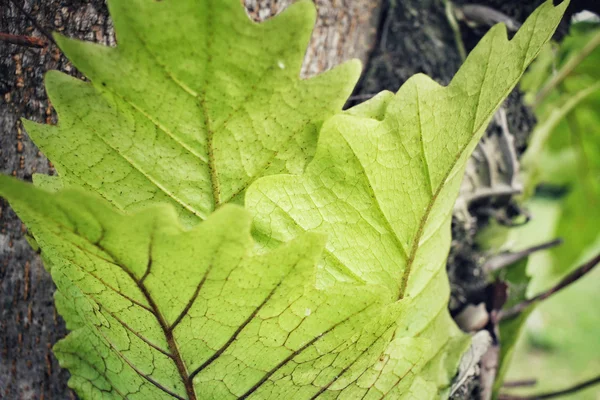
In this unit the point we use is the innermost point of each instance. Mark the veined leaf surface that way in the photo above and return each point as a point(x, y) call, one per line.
point(194, 104)
point(160, 313)
point(386, 174)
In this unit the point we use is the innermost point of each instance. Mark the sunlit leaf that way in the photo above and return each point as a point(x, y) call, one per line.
point(194, 103)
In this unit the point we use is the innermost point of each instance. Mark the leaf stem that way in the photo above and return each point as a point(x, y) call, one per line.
point(567, 69)
point(543, 131)
point(456, 29)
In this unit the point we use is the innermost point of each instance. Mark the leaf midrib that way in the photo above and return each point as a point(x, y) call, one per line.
point(168, 330)
point(173, 348)
point(475, 128)
point(210, 130)
point(153, 309)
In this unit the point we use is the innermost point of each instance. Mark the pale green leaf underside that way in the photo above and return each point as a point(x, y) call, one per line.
point(384, 180)
point(195, 103)
point(157, 316)
point(159, 312)
point(386, 175)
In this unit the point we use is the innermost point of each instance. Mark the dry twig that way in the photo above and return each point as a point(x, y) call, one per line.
point(551, 395)
point(28, 41)
point(569, 279)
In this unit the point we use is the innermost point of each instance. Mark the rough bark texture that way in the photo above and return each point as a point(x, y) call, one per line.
point(29, 324)
point(345, 29)
point(28, 320)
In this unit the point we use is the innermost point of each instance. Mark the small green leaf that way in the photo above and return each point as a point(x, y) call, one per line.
point(510, 330)
point(194, 104)
point(565, 147)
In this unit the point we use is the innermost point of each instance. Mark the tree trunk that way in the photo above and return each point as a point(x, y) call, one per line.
point(394, 38)
point(28, 320)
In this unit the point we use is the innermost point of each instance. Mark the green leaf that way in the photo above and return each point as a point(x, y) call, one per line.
point(565, 146)
point(223, 323)
point(560, 345)
point(194, 104)
point(510, 330)
point(162, 312)
point(385, 177)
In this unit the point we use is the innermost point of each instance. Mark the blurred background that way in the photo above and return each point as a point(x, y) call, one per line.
point(559, 344)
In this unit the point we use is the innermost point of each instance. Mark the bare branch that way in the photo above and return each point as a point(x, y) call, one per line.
point(28, 41)
point(505, 259)
point(33, 21)
point(572, 277)
point(521, 383)
point(551, 395)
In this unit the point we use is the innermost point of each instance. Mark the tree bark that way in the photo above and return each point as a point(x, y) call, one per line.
point(28, 320)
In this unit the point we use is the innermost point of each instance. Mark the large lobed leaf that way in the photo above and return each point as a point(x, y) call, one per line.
point(156, 316)
point(386, 174)
point(194, 104)
point(159, 312)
